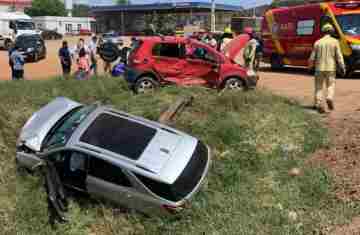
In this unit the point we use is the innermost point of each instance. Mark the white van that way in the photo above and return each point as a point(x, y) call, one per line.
point(13, 24)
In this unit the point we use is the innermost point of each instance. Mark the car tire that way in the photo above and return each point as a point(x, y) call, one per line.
point(145, 85)
point(234, 84)
point(276, 62)
point(7, 44)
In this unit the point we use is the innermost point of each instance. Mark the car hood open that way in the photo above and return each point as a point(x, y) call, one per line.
point(234, 48)
point(37, 127)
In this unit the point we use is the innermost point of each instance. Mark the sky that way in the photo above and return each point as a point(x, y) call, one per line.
point(244, 3)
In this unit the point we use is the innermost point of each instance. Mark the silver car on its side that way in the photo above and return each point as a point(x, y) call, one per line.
point(129, 160)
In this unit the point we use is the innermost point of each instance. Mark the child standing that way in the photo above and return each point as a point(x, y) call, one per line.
point(18, 62)
point(83, 65)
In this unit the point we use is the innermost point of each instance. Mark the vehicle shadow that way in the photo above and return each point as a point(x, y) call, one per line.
point(304, 72)
point(286, 70)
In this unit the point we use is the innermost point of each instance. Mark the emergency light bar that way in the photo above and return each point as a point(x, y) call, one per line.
point(348, 5)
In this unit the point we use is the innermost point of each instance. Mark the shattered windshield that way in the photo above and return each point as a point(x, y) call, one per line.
point(350, 24)
point(63, 131)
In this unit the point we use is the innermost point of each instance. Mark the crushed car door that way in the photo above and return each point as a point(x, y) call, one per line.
point(168, 61)
point(202, 66)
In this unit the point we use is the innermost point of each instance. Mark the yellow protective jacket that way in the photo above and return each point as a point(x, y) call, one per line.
point(327, 55)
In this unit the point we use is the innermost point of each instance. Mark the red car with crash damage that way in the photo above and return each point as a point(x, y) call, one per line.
point(159, 61)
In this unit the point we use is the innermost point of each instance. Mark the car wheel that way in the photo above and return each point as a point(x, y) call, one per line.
point(7, 44)
point(145, 85)
point(234, 84)
point(276, 62)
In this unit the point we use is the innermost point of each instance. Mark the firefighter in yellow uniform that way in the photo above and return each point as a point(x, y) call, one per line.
point(326, 57)
point(249, 54)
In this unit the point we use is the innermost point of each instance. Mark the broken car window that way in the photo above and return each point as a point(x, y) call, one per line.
point(63, 130)
point(202, 54)
point(77, 162)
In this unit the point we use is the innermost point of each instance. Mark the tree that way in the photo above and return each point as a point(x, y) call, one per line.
point(160, 24)
point(81, 10)
point(284, 3)
point(46, 8)
point(123, 2)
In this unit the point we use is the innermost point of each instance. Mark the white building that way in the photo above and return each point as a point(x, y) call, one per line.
point(11, 5)
point(65, 25)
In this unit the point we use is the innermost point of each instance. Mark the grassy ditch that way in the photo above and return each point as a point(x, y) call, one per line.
point(256, 138)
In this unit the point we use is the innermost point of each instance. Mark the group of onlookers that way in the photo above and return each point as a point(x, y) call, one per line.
point(86, 58)
point(84, 55)
point(252, 52)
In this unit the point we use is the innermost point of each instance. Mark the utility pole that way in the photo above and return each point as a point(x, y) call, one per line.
point(213, 16)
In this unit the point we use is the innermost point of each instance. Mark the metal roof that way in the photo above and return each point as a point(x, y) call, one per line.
point(165, 6)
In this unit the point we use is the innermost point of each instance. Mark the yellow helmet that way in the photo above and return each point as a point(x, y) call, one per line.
point(327, 28)
point(227, 30)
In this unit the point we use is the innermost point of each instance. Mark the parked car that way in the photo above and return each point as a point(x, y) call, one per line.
point(51, 35)
point(157, 61)
point(113, 37)
point(85, 32)
point(33, 47)
point(110, 154)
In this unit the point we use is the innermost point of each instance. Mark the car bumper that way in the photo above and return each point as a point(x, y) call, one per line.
point(30, 57)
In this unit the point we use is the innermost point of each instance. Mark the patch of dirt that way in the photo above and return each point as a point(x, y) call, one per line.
point(351, 229)
point(343, 156)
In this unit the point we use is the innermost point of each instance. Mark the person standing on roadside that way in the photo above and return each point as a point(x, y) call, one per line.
point(93, 54)
point(326, 57)
point(80, 45)
point(65, 59)
point(83, 66)
point(10, 51)
point(226, 38)
point(18, 62)
point(250, 50)
point(106, 64)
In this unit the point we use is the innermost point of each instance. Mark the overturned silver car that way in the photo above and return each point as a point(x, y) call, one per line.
point(129, 160)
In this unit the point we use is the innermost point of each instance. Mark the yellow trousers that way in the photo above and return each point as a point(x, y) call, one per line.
point(321, 79)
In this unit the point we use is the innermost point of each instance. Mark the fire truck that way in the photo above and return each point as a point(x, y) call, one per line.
point(289, 33)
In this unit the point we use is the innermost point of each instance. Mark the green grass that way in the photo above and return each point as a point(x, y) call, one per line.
point(255, 138)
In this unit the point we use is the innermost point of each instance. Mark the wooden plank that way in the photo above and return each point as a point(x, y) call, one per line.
point(175, 110)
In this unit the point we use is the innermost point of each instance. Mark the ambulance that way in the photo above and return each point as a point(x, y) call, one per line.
point(289, 33)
